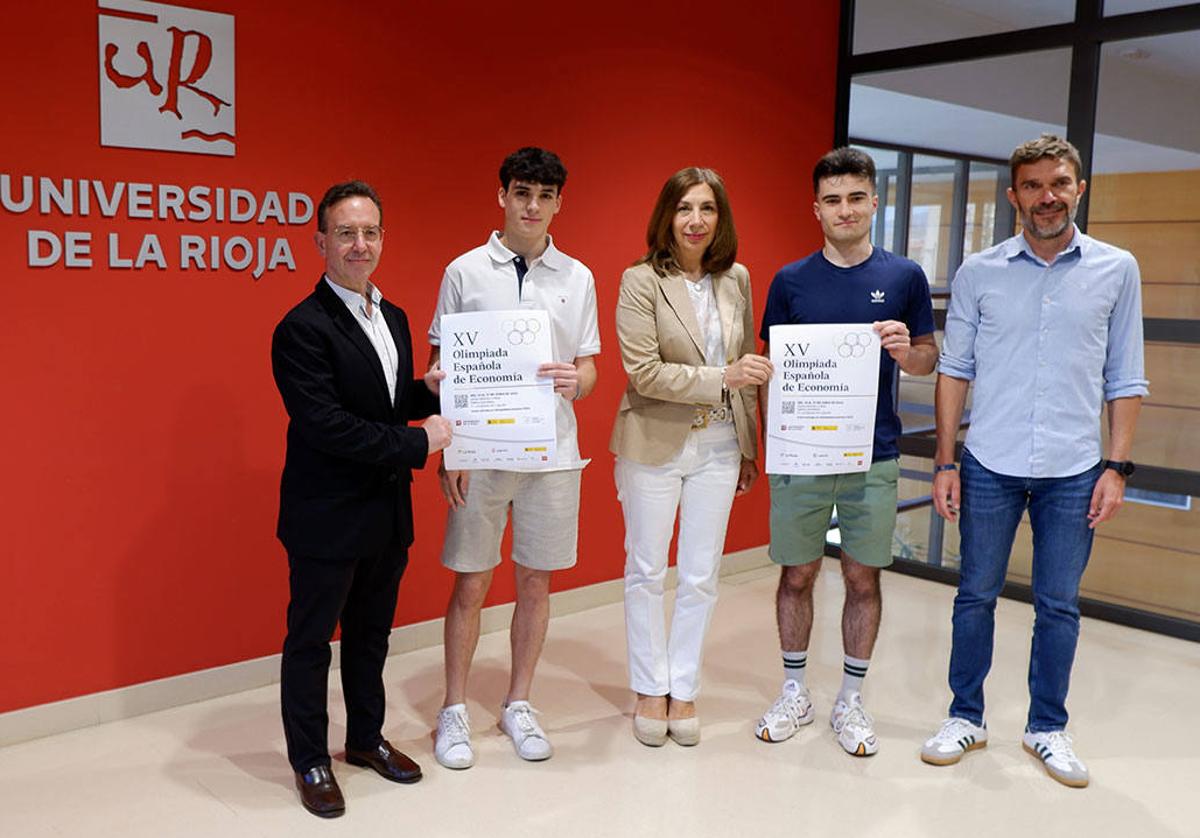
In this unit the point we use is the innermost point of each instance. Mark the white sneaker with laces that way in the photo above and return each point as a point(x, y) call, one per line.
point(954, 738)
point(854, 726)
point(791, 711)
point(453, 746)
point(1054, 749)
point(517, 720)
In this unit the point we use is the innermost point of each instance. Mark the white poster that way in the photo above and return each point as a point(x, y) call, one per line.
point(821, 401)
point(502, 412)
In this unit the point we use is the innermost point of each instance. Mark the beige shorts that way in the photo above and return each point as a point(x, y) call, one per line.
point(545, 513)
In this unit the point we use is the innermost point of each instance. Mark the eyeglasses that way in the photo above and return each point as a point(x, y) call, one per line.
point(349, 235)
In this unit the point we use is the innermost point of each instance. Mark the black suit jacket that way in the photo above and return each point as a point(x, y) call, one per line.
point(345, 491)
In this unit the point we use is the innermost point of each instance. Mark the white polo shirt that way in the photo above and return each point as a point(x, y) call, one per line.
point(485, 279)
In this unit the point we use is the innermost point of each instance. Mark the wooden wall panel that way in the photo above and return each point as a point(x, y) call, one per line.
point(1143, 576)
point(1145, 196)
point(1166, 252)
point(1155, 215)
point(1177, 529)
point(1166, 436)
point(1171, 300)
point(1174, 373)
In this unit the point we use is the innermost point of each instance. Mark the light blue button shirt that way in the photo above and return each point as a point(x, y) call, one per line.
point(1046, 345)
point(375, 328)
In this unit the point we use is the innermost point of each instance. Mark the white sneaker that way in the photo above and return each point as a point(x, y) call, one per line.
point(1054, 749)
point(453, 746)
point(790, 712)
point(954, 738)
point(516, 719)
point(854, 726)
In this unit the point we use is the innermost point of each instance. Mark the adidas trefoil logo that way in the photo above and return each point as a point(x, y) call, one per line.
point(877, 296)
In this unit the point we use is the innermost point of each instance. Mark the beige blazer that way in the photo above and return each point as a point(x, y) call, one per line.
point(662, 349)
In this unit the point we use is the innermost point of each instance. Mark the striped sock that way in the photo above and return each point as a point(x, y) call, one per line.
point(795, 664)
point(854, 670)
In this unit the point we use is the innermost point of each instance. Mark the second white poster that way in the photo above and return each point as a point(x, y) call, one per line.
point(821, 402)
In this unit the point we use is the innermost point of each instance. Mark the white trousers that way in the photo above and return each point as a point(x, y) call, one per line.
point(700, 482)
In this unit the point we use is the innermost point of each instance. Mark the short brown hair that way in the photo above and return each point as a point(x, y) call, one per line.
point(1047, 145)
point(340, 192)
point(843, 161)
point(660, 239)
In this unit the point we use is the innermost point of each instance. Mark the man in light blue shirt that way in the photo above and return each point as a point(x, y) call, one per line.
point(1048, 324)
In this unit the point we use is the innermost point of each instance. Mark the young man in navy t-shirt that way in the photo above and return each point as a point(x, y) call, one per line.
point(846, 281)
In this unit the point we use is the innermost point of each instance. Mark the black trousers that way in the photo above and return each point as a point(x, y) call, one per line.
point(360, 594)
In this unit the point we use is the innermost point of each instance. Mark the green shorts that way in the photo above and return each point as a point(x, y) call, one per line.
point(802, 507)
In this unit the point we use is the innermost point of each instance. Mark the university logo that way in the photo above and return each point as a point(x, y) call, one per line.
point(166, 78)
point(877, 296)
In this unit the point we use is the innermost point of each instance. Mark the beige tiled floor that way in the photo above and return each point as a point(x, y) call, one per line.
point(216, 768)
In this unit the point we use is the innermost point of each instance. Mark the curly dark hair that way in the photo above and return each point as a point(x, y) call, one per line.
point(533, 165)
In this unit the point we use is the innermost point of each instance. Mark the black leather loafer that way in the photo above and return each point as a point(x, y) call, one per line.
point(319, 792)
point(387, 762)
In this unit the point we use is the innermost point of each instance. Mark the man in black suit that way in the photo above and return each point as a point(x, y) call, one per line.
point(342, 361)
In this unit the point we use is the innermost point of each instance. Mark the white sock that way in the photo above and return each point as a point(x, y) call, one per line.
point(795, 664)
point(854, 670)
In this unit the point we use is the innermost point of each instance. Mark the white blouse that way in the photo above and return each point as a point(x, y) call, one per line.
point(704, 303)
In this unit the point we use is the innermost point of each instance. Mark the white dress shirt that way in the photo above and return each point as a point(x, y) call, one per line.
point(375, 327)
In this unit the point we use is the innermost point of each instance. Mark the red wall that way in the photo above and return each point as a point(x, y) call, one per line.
point(143, 437)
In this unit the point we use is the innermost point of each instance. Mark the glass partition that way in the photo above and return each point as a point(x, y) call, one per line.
point(946, 119)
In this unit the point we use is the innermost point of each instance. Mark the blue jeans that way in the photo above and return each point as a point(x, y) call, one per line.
point(992, 505)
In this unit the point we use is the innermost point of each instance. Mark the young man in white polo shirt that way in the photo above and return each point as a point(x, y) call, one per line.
point(519, 268)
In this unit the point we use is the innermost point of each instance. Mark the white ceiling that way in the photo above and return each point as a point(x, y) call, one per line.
point(888, 24)
point(1147, 113)
point(887, 116)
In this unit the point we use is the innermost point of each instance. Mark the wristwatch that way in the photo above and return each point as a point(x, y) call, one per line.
point(1121, 467)
point(945, 467)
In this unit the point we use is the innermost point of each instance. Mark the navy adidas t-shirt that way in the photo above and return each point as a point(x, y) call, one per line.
point(884, 287)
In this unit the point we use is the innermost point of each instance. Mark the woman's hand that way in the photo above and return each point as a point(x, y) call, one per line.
point(748, 369)
point(746, 477)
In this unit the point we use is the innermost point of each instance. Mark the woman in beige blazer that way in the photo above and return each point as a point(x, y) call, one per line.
point(685, 437)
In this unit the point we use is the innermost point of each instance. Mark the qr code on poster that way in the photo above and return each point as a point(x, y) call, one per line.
point(788, 408)
point(460, 401)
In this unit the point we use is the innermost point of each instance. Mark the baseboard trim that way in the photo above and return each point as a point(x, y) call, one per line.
point(151, 696)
